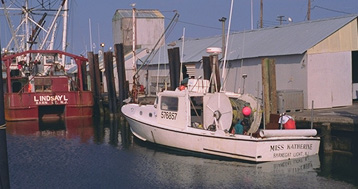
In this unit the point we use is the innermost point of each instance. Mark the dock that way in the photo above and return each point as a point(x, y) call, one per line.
point(336, 126)
point(341, 118)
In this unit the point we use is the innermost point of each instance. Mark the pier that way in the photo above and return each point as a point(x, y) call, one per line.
point(337, 127)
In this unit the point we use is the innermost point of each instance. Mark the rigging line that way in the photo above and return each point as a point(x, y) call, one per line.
point(15, 4)
point(199, 25)
point(332, 10)
point(42, 4)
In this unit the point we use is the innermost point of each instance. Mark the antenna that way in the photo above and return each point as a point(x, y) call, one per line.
point(280, 18)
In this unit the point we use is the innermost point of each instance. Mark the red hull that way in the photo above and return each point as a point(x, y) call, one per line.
point(51, 93)
point(32, 106)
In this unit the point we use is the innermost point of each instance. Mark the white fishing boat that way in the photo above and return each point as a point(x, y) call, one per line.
point(190, 118)
point(195, 120)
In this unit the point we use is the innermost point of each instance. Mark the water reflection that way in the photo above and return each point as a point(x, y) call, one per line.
point(104, 154)
point(70, 128)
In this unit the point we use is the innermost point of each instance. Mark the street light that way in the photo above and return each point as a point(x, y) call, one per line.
point(102, 46)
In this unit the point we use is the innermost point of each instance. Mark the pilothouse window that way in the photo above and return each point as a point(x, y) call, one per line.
point(169, 103)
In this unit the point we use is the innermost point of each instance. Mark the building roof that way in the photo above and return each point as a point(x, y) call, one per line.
point(289, 39)
point(140, 13)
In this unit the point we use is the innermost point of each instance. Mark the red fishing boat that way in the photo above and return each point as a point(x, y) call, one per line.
point(37, 86)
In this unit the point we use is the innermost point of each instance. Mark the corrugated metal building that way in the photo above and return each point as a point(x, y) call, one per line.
point(319, 58)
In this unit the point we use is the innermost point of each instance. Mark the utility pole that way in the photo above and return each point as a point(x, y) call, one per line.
point(222, 20)
point(309, 10)
point(4, 165)
point(261, 13)
point(252, 15)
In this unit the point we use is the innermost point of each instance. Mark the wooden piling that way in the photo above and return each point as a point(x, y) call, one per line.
point(174, 67)
point(112, 99)
point(91, 63)
point(98, 81)
point(90, 58)
point(4, 165)
point(327, 140)
point(84, 76)
point(273, 90)
point(269, 87)
point(123, 93)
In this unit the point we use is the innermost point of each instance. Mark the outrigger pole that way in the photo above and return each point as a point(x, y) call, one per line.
point(226, 45)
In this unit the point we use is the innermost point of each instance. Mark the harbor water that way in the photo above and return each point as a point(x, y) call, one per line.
point(89, 153)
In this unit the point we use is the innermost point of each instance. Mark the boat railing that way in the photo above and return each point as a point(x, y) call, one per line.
point(28, 87)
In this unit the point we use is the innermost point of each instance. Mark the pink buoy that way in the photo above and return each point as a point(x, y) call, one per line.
point(246, 111)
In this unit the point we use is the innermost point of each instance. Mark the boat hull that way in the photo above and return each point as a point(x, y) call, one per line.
point(35, 106)
point(218, 143)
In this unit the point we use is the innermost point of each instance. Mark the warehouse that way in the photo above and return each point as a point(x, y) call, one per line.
point(316, 58)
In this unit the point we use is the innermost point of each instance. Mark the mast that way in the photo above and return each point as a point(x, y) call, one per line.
point(261, 13)
point(134, 57)
point(134, 38)
point(52, 41)
point(182, 57)
point(52, 25)
point(64, 35)
point(27, 29)
point(32, 23)
point(252, 15)
point(309, 10)
point(225, 54)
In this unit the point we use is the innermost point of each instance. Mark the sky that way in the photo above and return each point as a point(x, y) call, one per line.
point(200, 18)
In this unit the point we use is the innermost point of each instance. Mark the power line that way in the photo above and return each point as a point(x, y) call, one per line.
point(199, 25)
point(332, 10)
